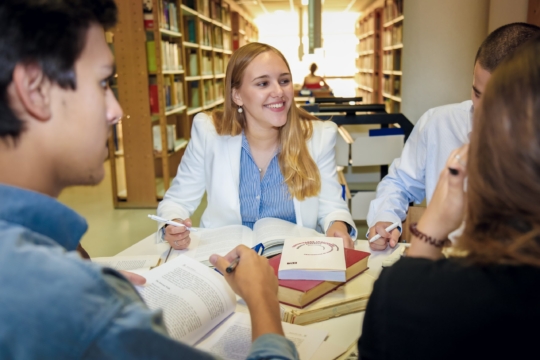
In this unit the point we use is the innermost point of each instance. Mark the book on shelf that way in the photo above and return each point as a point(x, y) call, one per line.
point(153, 95)
point(349, 298)
point(300, 293)
point(313, 259)
point(199, 310)
point(151, 55)
point(271, 232)
point(179, 90)
point(194, 94)
point(171, 137)
point(191, 30)
point(193, 64)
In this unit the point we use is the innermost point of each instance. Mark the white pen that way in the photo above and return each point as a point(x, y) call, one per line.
point(390, 228)
point(169, 222)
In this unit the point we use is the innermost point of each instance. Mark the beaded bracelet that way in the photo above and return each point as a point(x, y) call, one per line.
point(426, 238)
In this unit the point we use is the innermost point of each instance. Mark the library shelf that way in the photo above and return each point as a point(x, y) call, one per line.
point(179, 144)
point(393, 47)
point(176, 110)
point(394, 21)
point(392, 72)
point(186, 10)
point(368, 52)
point(366, 35)
point(193, 111)
point(395, 98)
point(205, 18)
point(179, 41)
point(365, 88)
point(175, 34)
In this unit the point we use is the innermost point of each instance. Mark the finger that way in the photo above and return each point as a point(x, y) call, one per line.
point(220, 263)
point(381, 230)
point(395, 238)
point(187, 222)
point(377, 246)
point(133, 278)
point(372, 232)
point(174, 230)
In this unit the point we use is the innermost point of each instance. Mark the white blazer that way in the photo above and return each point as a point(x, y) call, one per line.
point(211, 163)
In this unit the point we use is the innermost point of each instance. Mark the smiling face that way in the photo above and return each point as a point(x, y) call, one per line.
point(266, 92)
point(83, 117)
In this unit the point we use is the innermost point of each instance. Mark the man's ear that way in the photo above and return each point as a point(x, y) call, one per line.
point(32, 91)
point(236, 97)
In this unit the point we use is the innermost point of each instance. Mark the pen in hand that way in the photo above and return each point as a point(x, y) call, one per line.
point(169, 222)
point(388, 229)
point(259, 249)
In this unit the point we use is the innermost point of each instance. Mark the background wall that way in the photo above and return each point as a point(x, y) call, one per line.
point(503, 12)
point(440, 40)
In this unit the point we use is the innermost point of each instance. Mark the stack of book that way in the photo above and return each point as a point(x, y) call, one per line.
point(309, 301)
point(168, 16)
point(170, 55)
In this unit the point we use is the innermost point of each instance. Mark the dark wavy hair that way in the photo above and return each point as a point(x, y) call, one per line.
point(50, 33)
point(503, 214)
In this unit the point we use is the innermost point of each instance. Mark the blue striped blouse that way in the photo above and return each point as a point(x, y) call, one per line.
point(266, 197)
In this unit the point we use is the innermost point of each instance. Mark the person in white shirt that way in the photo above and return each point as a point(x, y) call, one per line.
point(414, 175)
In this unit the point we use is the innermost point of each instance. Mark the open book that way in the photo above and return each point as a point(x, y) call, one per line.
point(196, 299)
point(271, 232)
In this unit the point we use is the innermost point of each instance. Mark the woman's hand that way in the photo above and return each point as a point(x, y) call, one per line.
point(446, 209)
point(339, 229)
point(178, 236)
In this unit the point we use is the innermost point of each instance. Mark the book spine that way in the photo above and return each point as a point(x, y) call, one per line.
point(154, 98)
point(151, 56)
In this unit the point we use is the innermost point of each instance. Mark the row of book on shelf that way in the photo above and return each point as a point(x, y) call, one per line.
point(392, 87)
point(167, 16)
point(393, 36)
point(173, 93)
point(392, 60)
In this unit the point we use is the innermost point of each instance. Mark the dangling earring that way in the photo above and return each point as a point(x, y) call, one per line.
point(240, 110)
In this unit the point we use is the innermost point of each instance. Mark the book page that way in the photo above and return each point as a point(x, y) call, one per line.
point(206, 242)
point(232, 340)
point(194, 298)
point(128, 262)
point(272, 231)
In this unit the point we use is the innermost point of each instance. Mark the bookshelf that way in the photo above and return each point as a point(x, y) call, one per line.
point(368, 57)
point(379, 55)
point(171, 58)
point(392, 44)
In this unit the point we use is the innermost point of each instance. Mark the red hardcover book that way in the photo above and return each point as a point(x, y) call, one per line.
point(154, 102)
point(300, 293)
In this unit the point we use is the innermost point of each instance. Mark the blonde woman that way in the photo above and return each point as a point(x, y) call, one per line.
point(259, 157)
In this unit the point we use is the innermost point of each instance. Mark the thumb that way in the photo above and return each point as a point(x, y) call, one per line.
point(219, 262)
point(133, 278)
point(187, 222)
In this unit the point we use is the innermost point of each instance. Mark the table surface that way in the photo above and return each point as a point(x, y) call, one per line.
point(343, 331)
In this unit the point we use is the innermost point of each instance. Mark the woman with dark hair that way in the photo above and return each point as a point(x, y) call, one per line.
point(261, 156)
point(314, 82)
point(486, 303)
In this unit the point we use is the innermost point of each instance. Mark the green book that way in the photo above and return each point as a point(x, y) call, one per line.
point(151, 55)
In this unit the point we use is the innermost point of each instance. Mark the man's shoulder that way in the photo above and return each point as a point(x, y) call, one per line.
point(458, 112)
point(53, 292)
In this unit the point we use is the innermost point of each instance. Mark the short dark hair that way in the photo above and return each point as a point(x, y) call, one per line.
point(49, 33)
point(313, 68)
point(503, 41)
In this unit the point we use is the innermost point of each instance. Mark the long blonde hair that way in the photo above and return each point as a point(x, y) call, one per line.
point(299, 170)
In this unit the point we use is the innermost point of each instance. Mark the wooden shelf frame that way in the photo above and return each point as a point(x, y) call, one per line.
point(148, 174)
